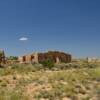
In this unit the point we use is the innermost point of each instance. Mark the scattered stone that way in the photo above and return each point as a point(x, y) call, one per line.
point(66, 98)
point(44, 99)
point(80, 89)
point(98, 79)
point(63, 82)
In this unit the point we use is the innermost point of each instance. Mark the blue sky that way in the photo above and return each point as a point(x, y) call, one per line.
point(39, 25)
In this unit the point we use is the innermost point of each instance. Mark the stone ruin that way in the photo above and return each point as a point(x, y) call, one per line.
point(55, 56)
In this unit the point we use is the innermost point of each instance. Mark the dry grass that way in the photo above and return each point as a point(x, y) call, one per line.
point(26, 82)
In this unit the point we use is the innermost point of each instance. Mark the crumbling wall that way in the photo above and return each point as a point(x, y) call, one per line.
point(55, 56)
point(22, 59)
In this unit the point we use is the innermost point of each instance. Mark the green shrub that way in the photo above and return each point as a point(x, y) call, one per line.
point(16, 95)
point(48, 64)
point(12, 58)
point(4, 84)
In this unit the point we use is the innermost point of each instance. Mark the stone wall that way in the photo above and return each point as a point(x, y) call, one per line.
point(55, 56)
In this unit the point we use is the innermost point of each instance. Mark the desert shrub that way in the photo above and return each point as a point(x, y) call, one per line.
point(46, 95)
point(12, 58)
point(6, 71)
point(14, 77)
point(48, 63)
point(25, 68)
point(1, 66)
point(94, 73)
point(16, 95)
point(22, 68)
point(37, 67)
point(14, 66)
point(63, 66)
point(59, 66)
point(56, 93)
point(3, 84)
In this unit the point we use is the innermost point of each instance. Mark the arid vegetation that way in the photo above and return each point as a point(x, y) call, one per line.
point(74, 81)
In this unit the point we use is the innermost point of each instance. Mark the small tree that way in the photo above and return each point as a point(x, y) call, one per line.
point(48, 63)
point(12, 58)
point(0, 58)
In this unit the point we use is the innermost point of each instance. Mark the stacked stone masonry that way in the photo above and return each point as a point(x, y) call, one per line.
point(55, 56)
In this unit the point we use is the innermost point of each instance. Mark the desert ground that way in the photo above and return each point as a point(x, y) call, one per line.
point(73, 81)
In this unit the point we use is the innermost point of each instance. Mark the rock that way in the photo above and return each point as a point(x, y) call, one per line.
point(44, 99)
point(66, 98)
point(98, 79)
point(76, 97)
point(80, 89)
point(63, 82)
point(76, 90)
point(95, 98)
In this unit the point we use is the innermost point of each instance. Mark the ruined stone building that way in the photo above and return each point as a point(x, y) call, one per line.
point(2, 56)
point(55, 56)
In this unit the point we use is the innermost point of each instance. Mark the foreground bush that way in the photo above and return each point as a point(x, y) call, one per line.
point(48, 64)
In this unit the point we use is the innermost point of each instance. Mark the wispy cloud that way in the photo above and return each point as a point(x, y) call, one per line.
point(23, 39)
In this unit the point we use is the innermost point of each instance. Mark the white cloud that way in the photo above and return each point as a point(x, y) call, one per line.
point(23, 39)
